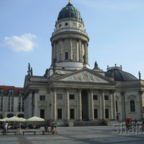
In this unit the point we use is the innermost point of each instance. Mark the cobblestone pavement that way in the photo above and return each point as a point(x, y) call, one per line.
point(76, 135)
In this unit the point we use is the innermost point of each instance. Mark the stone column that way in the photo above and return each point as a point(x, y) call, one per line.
point(114, 106)
point(91, 105)
point(70, 57)
point(86, 51)
point(54, 50)
point(111, 102)
point(67, 104)
point(61, 50)
point(79, 105)
point(52, 55)
point(141, 103)
point(54, 104)
point(100, 106)
point(103, 104)
point(123, 105)
point(80, 51)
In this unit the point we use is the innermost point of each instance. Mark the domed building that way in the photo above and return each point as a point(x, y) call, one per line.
point(69, 93)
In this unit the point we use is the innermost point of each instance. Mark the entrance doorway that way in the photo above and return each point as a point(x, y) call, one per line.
point(84, 97)
point(42, 113)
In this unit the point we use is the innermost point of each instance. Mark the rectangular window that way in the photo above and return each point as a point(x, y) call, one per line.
point(1, 108)
point(71, 96)
point(66, 55)
point(106, 113)
point(95, 113)
point(95, 97)
point(106, 97)
point(71, 113)
point(59, 96)
point(42, 98)
point(1, 90)
point(42, 113)
point(59, 113)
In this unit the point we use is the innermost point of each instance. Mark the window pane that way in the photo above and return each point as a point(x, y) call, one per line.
point(71, 96)
point(95, 113)
point(106, 113)
point(59, 96)
point(42, 113)
point(66, 55)
point(42, 98)
point(59, 113)
point(71, 113)
point(132, 106)
point(95, 97)
point(106, 97)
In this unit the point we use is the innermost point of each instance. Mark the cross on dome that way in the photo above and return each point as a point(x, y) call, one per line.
point(69, 1)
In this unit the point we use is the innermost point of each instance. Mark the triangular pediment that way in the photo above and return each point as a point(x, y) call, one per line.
point(85, 76)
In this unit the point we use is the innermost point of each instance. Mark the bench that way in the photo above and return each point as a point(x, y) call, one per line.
point(43, 132)
point(8, 132)
point(29, 132)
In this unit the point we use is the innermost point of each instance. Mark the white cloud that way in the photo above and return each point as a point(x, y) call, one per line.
point(112, 4)
point(22, 43)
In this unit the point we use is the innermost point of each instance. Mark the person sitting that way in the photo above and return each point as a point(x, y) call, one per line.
point(53, 130)
point(46, 129)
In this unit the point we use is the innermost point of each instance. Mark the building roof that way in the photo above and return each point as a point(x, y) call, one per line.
point(119, 75)
point(69, 11)
point(6, 89)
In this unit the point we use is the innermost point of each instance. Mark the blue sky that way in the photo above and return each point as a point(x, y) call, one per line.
point(115, 28)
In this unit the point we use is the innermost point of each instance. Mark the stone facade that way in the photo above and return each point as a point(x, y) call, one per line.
point(69, 91)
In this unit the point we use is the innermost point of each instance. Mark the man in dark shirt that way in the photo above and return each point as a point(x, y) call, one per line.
point(46, 129)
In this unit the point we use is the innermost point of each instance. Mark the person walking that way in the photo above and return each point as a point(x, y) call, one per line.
point(5, 127)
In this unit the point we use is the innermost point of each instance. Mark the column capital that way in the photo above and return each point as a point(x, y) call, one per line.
point(53, 89)
point(112, 91)
point(78, 39)
point(67, 89)
point(79, 89)
point(101, 90)
point(62, 39)
point(91, 90)
point(122, 93)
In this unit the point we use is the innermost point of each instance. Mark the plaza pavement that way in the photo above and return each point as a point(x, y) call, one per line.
point(76, 135)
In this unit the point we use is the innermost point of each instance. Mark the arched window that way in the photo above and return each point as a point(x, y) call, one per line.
point(132, 106)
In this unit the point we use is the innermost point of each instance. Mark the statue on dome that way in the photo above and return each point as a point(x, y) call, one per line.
point(28, 66)
point(31, 71)
point(95, 65)
point(139, 75)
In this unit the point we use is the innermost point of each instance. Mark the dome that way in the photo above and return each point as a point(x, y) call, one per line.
point(120, 75)
point(69, 12)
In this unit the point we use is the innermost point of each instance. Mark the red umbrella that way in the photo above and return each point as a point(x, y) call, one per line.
point(128, 119)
